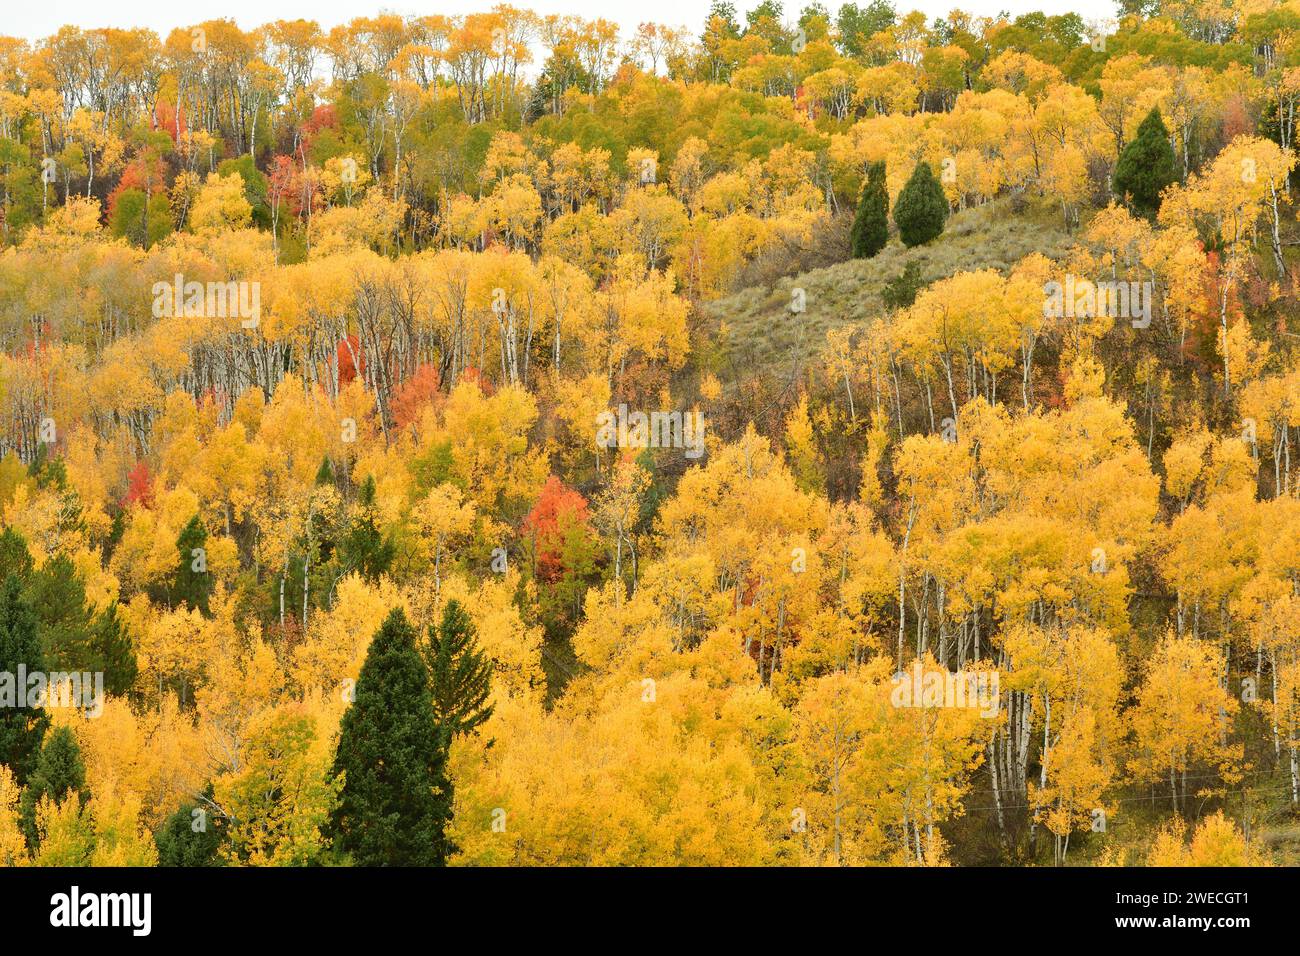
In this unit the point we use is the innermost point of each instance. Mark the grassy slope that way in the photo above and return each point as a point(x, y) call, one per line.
point(763, 337)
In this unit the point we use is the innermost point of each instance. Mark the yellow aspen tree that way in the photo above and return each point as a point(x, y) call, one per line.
point(1180, 720)
point(13, 845)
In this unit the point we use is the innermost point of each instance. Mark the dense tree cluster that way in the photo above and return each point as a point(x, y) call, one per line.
point(304, 340)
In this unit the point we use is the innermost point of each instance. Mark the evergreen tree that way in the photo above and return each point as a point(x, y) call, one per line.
point(72, 636)
point(871, 224)
point(66, 623)
point(59, 772)
point(15, 559)
point(114, 653)
point(395, 801)
point(192, 584)
point(48, 472)
point(460, 675)
point(21, 727)
point(190, 839)
point(900, 291)
point(365, 548)
point(921, 208)
point(1147, 165)
point(325, 473)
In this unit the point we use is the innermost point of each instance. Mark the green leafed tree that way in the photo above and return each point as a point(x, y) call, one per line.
point(73, 636)
point(142, 220)
point(901, 291)
point(857, 26)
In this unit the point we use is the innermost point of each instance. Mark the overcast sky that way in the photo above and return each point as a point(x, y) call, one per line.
point(34, 20)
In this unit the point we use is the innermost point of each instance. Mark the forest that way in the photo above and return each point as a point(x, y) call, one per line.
point(834, 438)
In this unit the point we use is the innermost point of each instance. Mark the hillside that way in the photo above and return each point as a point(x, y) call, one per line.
point(465, 440)
point(755, 334)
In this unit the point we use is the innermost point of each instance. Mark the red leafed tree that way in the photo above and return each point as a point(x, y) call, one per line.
point(1236, 118)
point(558, 510)
point(322, 117)
point(139, 486)
point(1201, 343)
point(351, 359)
point(284, 192)
point(472, 374)
point(38, 344)
point(414, 394)
point(169, 121)
point(147, 175)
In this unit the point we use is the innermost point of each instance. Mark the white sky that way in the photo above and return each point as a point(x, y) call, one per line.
point(34, 20)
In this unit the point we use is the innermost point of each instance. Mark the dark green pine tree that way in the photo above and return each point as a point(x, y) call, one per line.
point(901, 291)
point(14, 557)
point(47, 471)
point(1146, 166)
point(395, 802)
point(114, 653)
point(192, 583)
point(325, 473)
point(870, 229)
point(460, 675)
point(73, 637)
point(921, 209)
point(364, 547)
point(59, 772)
point(66, 622)
point(190, 839)
point(21, 727)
